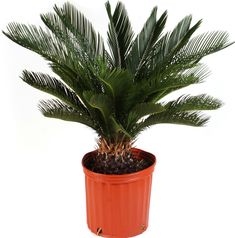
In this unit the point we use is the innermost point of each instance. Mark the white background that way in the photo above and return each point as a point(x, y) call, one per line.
point(42, 191)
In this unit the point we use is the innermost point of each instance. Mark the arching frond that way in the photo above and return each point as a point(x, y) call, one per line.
point(71, 78)
point(193, 103)
point(59, 110)
point(202, 45)
point(82, 29)
point(62, 33)
point(141, 110)
point(170, 82)
point(119, 81)
point(37, 40)
point(120, 34)
point(53, 86)
point(103, 103)
point(180, 35)
point(181, 118)
point(118, 129)
point(43, 43)
point(145, 40)
point(162, 57)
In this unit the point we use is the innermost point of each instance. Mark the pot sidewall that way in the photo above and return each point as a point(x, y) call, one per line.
point(118, 205)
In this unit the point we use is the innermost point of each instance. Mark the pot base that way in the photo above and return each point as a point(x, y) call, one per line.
point(99, 232)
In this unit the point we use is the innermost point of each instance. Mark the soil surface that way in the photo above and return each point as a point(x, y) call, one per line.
point(117, 165)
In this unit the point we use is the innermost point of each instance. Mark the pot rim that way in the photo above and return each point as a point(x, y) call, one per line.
point(120, 178)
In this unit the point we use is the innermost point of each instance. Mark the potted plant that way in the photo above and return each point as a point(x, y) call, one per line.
point(119, 93)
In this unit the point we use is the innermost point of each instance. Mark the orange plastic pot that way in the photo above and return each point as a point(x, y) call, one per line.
point(118, 205)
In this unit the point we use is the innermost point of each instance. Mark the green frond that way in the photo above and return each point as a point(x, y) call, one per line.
point(62, 33)
point(117, 84)
point(202, 45)
point(82, 30)
point(77, 82)
point(113, 39)
point(102, 108)
point(200, 71)
point(84, 79)
point(37, 40)
point(59, 110)
point(179, 32)
point(43, 43)
point(120, 34)
point(118, 81)
point(70, 78)
point(137, 93)
point(169, 82)
point(103, 103)
point(144, 42)
point(118, 130)
point(180, 35)
point(155, 88)
point(124, 30)
point(104, 114)
point(176, 82)
point(181, 118)
point(163, 87)
point(51, 85)
point(141, 110)
point(54, 24)
point(193, 103)
point(161, 57)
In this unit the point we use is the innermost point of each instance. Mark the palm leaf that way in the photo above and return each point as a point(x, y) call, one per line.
point(71, 78)
point(181, 118)
point(62, 33)
point(59, 110)
point(137, 93)
point(176, 82)
point(120, 34)
point(144, 41)
point(141, 110)
point(43, 43)
point(101, 102)
point(192, 103)
point(117, 84)
point(75, 81)
point(170, 82)
point(37, 40)
point(102, 109)
point(113, 39)
point(162, 57)
point(202, 45)
point(53, 86)
point(82, 30)
point(118, 81)
point(118, 129)
point(180, 35)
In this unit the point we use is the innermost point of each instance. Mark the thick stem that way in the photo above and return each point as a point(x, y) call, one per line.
point(120, 148)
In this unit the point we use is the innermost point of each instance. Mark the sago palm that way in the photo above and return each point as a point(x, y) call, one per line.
point(119, 92)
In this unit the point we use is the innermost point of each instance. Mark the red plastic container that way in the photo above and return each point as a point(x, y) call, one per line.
point(118, 205)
